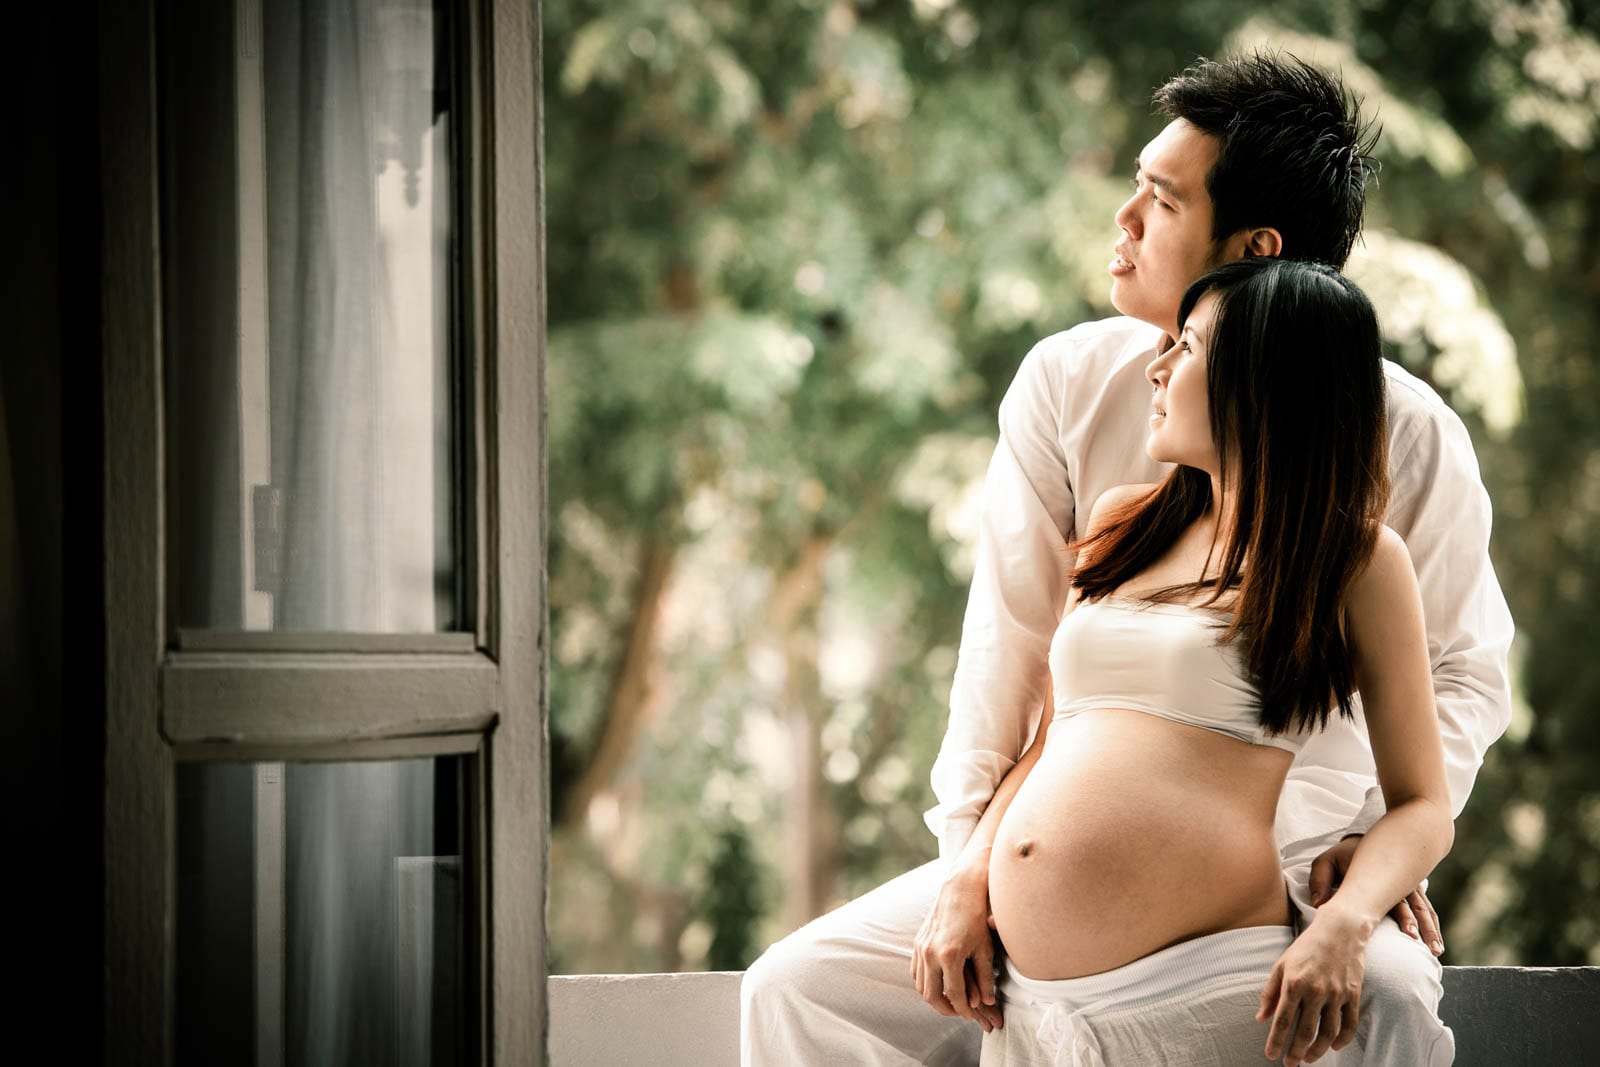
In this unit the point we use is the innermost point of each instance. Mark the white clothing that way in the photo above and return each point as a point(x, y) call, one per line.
point(1192, 1004)
point(1072, 425)
point(838, 990)
point(1159, 659)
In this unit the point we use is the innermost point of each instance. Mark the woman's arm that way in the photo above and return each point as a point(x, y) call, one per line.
point(1320, 974)
point(1389, 648)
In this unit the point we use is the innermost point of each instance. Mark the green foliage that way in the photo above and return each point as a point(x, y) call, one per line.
point(796, 252)
point(733, 902)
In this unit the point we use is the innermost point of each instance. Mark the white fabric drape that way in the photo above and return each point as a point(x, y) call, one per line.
point(358, 420)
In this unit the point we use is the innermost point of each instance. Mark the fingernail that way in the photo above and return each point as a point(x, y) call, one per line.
point(1438, 947)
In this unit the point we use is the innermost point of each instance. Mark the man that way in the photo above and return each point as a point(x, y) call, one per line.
point(1264, 155)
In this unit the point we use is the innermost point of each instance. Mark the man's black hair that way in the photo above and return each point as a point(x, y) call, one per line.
point(1293, 152)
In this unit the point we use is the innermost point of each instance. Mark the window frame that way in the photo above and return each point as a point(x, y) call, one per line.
point(180, 695)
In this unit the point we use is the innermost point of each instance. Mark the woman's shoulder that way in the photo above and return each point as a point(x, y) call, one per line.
point(1388, 572)
point(1115, 499)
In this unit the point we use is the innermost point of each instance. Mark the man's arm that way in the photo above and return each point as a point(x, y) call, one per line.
point(953, 950)
point(1018, 588)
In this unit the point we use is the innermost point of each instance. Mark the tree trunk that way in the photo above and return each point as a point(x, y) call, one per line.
point(633, 692)
point(810, 829)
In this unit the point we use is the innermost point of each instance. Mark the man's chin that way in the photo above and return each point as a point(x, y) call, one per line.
point(1127, 305)
point(1124, 305)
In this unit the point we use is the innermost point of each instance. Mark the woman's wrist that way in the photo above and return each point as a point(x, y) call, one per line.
point(1348, 919)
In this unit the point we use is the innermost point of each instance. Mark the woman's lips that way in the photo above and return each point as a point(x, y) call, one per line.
point(1119, 266)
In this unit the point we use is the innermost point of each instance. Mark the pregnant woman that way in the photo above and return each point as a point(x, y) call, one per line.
point(1217, 620)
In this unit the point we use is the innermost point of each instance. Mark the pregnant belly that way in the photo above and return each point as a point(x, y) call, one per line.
point(1130, 834)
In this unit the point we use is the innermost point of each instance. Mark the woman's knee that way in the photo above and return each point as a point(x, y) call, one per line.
point(1401, 974)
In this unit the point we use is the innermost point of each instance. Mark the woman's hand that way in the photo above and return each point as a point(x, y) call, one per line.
point(952, 959)
point(1319, 977)
point(1414, 914)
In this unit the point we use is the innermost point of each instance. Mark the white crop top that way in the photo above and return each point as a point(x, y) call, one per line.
point(1161, 659)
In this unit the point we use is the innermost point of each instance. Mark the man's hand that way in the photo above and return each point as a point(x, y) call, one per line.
point(952, 960)
point(1414, 914)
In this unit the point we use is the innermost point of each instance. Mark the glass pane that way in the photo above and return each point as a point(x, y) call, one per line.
point(322, 913)
point(308, 228)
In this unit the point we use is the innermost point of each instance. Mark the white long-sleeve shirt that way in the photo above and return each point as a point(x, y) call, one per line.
point(1072, 425)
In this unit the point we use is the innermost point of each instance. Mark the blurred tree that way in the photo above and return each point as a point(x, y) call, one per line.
point(797, 251)
point(733, 902)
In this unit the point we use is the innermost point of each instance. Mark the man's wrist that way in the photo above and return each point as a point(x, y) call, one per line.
point(971, 867)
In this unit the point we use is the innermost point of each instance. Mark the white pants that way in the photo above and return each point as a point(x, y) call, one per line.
point(838, 990)
point(1192, 1004)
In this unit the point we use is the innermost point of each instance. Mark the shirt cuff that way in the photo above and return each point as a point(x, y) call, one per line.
point(1372, 809)
point(953, 837)
point(953, 842)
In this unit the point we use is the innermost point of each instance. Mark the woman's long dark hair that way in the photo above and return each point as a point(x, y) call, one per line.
point(1295, 380)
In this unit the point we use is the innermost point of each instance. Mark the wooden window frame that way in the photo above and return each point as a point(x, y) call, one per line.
point(179, 695)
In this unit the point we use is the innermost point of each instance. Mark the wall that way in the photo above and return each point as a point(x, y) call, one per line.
point(1502, 1017)
point(51, 610)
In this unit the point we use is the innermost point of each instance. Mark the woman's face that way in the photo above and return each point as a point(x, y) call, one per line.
point(1180, 425)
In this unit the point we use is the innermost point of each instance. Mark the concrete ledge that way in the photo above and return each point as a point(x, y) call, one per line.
point(1502, 1017)
point(1523, 1015)
point(664, 1020)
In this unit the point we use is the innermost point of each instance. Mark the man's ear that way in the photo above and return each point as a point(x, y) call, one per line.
point(1262, 241)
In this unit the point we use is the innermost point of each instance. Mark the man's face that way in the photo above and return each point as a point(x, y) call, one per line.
point(1166, 226)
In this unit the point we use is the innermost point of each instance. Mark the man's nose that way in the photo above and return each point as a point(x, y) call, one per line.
point(1127, 218)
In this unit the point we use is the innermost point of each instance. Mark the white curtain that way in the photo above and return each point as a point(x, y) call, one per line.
point(356, 288)
point(357, 416)
point(358, 215)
